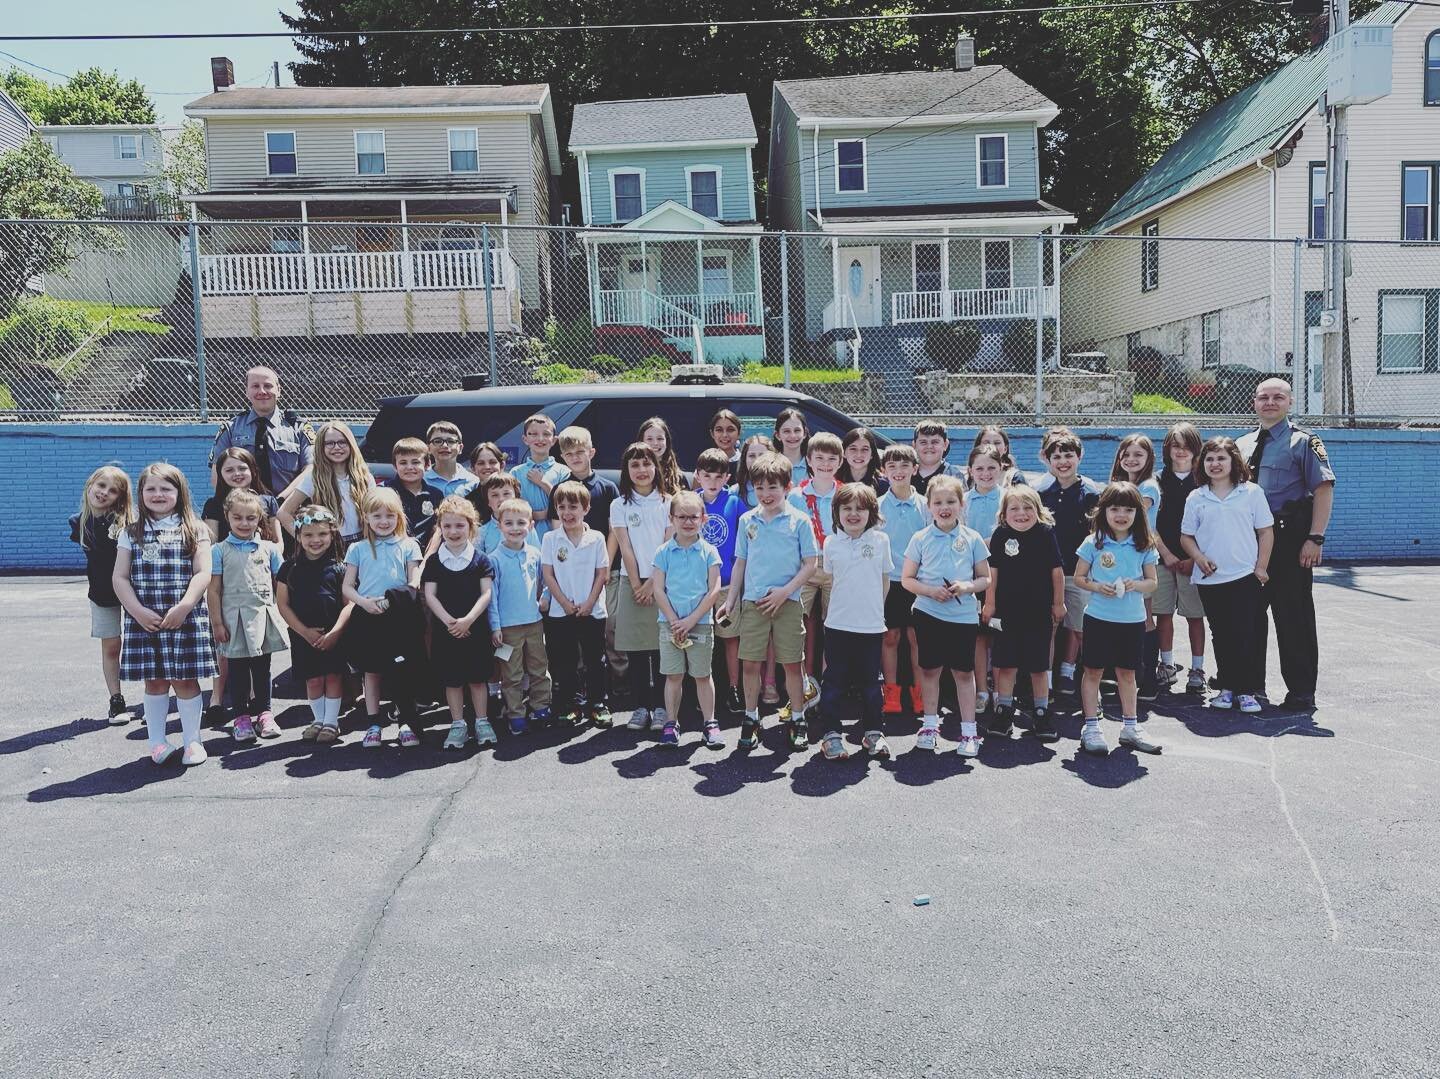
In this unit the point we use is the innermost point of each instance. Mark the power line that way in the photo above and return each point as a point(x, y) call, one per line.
point(1112, 5)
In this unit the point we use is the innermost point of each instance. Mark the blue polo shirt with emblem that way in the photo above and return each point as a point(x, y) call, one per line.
point(381, 565)
point(517, 587)
point(687, 575)
point(555, 473)
point(1113, 560)
point(900, 519)
point(773, 550)
point(942, 557)
point(462, 484)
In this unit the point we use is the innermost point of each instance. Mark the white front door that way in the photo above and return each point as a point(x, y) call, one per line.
point(860, 284)
point(639, 273)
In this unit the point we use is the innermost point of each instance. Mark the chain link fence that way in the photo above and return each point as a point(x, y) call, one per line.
point(160, 319)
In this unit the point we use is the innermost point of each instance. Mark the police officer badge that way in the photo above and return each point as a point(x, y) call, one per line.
point(1012, 547)
point(1107, 559)
point(563, 554)
point(427, 508)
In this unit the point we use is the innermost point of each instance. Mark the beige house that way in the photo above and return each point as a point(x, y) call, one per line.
point(1168, 267)
point(360, 209)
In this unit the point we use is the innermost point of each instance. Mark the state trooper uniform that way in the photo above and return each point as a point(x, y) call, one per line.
point(1289, 464)
point(286, 450)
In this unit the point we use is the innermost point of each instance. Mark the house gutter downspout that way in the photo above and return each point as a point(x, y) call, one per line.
point(1272, 170)
point(815, 162)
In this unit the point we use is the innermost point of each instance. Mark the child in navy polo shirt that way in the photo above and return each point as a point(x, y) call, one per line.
point(577, 450)
point(722, 519)
point(1116, 565)
point(105, 511)
point(418, 498)
point(1070, 498)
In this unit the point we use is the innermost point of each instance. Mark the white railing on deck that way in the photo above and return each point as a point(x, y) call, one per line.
point(721, 308)
point(353, 271)
point(977, 303)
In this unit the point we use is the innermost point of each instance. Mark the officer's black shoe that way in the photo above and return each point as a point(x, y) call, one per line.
point(1299, 702)
point(1002, 721)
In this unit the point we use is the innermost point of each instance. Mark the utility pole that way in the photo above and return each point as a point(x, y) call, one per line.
point(1336, 160)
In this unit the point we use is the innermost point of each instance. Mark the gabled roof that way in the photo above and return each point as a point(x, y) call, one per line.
point(7, 102)
point(707, 119)
point(914, 96)
point(670, 216)
point(1240, 129)
point(286, 101)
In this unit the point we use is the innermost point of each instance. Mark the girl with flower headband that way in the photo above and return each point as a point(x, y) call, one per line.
point(308, 595)
point(105, 511)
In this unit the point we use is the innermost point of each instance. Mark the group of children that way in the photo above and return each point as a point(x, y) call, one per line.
point(531, 589)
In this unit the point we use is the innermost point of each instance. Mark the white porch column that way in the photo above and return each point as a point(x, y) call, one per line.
point(592, 263)
point(700, 276)
point(945, 274)
point(835, 275)
point(1055, 272)
point(645, 282)
point(407, 270)
point(758, 311)
point(305, 246)
point(505, 238)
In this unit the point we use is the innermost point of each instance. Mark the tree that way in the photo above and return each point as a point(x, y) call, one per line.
point(35, 184)
point(184, 169)
point(91, 96)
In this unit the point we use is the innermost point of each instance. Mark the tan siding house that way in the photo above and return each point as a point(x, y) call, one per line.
point(1245, 173)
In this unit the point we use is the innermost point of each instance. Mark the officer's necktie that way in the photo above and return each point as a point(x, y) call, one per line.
point(262, 450)
point(1258, 453)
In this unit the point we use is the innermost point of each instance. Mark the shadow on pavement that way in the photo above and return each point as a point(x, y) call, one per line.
point(124, 778)
point(736, 771)
point(1119, 769)
point(647, 761)
point(819, 778)
point(52, 735)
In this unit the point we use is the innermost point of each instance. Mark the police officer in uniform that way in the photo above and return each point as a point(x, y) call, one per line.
point(280, 442)
point(1292, 468)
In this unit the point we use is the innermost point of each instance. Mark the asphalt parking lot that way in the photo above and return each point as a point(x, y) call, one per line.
point(1260, 900)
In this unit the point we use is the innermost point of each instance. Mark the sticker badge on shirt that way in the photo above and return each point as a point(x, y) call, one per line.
point(1012, 547)
point(171, 535)
point(633, 520)
point(562, 554)
point(752, 530)
point(150, 552)
point(427, 508)
point(1107, 560)
point(114, 532)
point(958, 544)
point(867, 551)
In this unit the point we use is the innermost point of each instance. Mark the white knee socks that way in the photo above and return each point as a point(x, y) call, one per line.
point(332, 712)
point(157, 710)
point(190, 711)
point(317, 709)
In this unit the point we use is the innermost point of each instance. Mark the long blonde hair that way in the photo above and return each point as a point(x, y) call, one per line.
point(324, 479)
point(124, 508)
point(190, 526)
point(376, 499)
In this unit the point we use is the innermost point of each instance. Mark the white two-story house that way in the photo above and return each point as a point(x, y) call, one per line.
point(361, 208)
point(123, 160)
point(15, 124)
point(913, 197)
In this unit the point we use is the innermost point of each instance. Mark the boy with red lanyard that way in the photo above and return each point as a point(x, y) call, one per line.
point(815, 498)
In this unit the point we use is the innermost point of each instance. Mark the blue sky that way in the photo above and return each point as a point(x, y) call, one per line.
point(174, 72)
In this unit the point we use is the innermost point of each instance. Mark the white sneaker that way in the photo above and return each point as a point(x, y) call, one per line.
point(195, 754)
point(927, 739)
point(1093, 741)
point(982, 702)
point(1136, 738)
point(1223, 699)
point(1248, 703)
point(639, 719)
point(658, 719)
point(969, 745)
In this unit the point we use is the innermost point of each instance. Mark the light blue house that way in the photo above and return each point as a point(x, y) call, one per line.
point(915, 197)
point(671, 238)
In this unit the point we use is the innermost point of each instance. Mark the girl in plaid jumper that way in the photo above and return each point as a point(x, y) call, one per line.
point(162, 568)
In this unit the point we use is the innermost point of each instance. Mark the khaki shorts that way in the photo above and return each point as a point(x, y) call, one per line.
point(104, 621)
point(1175, 593)
point(786, 629)
point(695, 660)
point(1076, 600)
point(817, 588)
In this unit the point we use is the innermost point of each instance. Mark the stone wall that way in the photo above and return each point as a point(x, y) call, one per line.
point(863, 398)
point(1070, 393)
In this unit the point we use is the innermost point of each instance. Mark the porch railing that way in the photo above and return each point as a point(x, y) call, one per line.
point(641, 307)
point(721, 309)
point(353, 271)
point(958, 304)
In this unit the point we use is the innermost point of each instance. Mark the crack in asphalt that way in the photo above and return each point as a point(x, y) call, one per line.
point(1334, 925)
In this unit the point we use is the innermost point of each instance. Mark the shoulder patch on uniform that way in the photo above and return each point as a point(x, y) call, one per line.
point(1318, 448)
point(307, 429)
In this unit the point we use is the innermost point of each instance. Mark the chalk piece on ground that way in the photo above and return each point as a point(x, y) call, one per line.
point(922, 900)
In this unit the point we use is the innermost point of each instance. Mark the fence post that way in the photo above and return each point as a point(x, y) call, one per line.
point(487, 272)
point(1299, 362)
point(1040, 328)
point(785, 302)
point(199, 318)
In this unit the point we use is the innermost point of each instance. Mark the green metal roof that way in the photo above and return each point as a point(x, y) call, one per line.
point(1239, 129)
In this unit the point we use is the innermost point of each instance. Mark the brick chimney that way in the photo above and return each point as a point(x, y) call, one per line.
point(222, 73)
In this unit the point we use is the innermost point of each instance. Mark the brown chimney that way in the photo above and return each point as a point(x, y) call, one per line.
point(222, 73)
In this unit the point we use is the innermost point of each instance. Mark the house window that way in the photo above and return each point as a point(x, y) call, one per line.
point(997, 264)
point(716, 269)
point(1402, 333)
point(464, 150)
point(1432, 69)
point(1150, 257)
point(126, 147)
point(125, 191)
point(925, 268)
point(285, 239)
point(370, 153)
point(1210, 341)
point(1317, 200)
point(1417, 202)
point(280, 153)
point(627, 195)
point(850, 165)
point(705, 192)
point(992, 154)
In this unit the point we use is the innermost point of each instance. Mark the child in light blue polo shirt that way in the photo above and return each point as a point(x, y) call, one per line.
point(540, 437)
point(686, 580)
point(515, 618)
point(1117, 564)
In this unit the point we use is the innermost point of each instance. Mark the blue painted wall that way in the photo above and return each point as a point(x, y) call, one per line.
point(43, 469)
point(665, 178)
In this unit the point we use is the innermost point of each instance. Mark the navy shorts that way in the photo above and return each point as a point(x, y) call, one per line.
point(1023, 647)
point(944, 644)
point(898, 604)
point(1112, 644)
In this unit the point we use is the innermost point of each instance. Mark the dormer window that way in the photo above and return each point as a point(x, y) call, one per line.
point(850, 165)
point(992, 160)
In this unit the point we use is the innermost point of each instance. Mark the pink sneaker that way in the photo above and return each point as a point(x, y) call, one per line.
point(244, 729)
point(163, 752)
point(268, 727)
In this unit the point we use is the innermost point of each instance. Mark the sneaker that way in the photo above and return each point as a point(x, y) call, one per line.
point(875, 744)
point(119, 710)
point(890, 700)
point(162, 753)
point(572, 718)
point(1042, 726)
point(770, 694)
point(1248, 703)
point(267, 726)
point(541, 717)
point(484, 733)
point(1165, 675)
point(669, 736)
point(639, 719)
point(1002, 722)
point(1065, 685)
point(408, 738)
point(969, 745)
point(1093, 741)
point(1223, 699)
point(659, 720)
point(517, 725)
point(733, 702)
point(1136, 738)
point(917, 700)
point(458, 736)
point(372, 737)
point(928, 738)
point(812, 691)
point(214, 716)
point(798, 732)
point(749, 733)
point(833, 746)
point(600, 716)
point(982, 703)
point(195, 754)
point(1300, 702)
point(1149, 688)
point(713, 738)
point(1195, 683)
point(243, 730)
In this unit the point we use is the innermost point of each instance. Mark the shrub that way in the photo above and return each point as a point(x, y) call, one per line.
point(563, 373)
point(43, 330)
point(650, 369)
point(951, 346)
point(1019, 346)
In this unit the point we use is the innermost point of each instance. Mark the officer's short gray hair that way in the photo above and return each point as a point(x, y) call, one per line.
point(261, 367)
